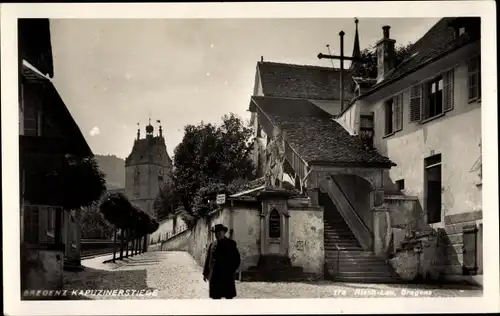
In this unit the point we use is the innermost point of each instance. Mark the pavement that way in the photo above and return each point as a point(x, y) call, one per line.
point(176, 275)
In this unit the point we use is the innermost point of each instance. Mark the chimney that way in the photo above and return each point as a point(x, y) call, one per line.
point(386, 55)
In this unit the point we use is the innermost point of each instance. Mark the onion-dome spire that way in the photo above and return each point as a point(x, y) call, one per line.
point(149, 129)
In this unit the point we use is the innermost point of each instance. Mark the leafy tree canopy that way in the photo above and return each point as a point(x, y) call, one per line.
point(94, 226)
point(83, 182)
point(210, 159)
point(369, 59)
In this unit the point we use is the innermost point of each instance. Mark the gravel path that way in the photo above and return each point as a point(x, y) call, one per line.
point(176, 275)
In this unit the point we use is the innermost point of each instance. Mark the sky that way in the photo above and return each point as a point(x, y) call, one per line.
point(115, 73)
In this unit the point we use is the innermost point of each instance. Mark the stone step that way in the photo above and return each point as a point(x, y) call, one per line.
point(338, 234)
point(349, 257)
point(335, 226)
point(337, 240)
point(366, 274)
point(333, 251)
point(339, 230)
point(332, 257)
point(374, 267)
point(330, 227)
point(343, 246)
point(357, 254)
point(371, 279)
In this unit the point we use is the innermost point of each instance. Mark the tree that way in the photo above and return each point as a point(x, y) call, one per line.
point(94, 226)
point(165, 202)
point(210, 157)
point(368, 67)
point(83, 181)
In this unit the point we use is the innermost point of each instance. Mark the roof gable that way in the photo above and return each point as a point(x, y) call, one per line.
point(301, 81)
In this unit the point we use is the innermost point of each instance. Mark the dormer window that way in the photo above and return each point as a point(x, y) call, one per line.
point(461, 31)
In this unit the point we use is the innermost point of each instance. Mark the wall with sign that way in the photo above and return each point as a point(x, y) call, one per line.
point(306, 239)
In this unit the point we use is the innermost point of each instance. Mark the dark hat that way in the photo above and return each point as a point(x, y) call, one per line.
point(219, 227)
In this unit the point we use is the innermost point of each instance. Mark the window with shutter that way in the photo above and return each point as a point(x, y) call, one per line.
point(415, 103)
point(389, 117)
point(474, 79)
point(398, 112)
point(448, 90)
point(393, 109)
point(433, 98)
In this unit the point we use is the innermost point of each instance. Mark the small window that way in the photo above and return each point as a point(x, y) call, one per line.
point(274, 224)
point(474, 79)
point(461, 31)
point(434, 100)
point(400, 185)
point(137, 178)
point(394, 114)
point(389, 117)
point(259, 130)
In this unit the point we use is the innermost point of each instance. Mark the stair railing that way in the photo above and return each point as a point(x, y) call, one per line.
point(352, 218)
point(337, 272)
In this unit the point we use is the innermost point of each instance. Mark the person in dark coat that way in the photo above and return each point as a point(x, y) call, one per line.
point(221, 263)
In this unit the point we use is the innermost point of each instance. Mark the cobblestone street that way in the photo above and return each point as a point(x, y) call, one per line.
point(175, 275)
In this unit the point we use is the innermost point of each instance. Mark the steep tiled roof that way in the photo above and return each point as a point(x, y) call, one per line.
point(301, 81)
point(437, 42)
point(149, 150)
point(313, 134)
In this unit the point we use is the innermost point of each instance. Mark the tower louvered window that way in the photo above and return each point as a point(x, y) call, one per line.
point(137, 175)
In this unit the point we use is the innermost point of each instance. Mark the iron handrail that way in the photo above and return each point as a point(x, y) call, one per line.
point(338, 260)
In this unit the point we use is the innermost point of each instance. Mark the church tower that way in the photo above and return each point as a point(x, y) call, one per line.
point(147, 168)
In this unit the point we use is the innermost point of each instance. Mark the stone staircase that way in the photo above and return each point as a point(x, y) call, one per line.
point(345, 259)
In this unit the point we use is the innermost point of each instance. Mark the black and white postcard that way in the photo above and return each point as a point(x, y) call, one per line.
point(196, 158)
